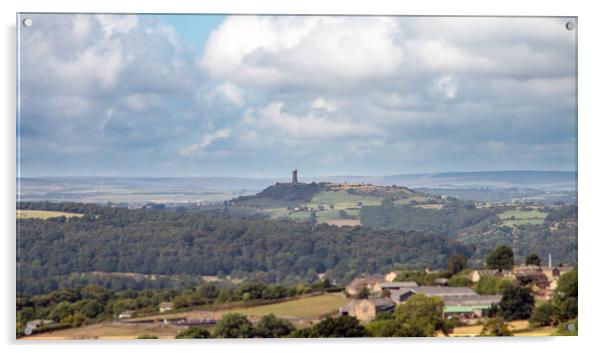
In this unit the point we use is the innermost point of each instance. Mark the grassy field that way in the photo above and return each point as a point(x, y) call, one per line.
point(341, 200)
point(310, 307)
point(417, 198)
point(45, 214)
point(109, 331)
point(518, 328)
point(431, 206)
point(304, 308)
point(283, 213)
point(512, 218)
point(344, 222)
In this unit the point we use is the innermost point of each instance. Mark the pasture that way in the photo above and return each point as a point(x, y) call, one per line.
point(342, 200)
point(344, 222)
point(24, 214)
point(431, 206)
point(109, 331)
point(302, 308)
point(517, 217)
point(518, 328)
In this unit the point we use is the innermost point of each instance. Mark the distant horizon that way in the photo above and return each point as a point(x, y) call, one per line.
point(301, 176)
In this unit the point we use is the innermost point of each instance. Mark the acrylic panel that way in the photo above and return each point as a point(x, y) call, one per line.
point(253, 176)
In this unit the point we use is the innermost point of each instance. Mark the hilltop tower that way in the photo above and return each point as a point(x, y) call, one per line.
point(295, 181)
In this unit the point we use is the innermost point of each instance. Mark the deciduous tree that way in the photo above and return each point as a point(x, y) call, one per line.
point(502, 258)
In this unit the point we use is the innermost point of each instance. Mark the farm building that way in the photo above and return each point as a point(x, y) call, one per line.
point(165, 306)
point(370, 282)
point(460, 302)
point(393, 285)
point(401, 295)
point(531, 275)
point(34, 324)
point(476, 275)
point(367, 309)
point(441, 282)
point(542, 280)
point(472, 306)
point(552, 274)
point(126, 314)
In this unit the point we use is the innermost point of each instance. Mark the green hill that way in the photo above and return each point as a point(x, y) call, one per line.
point(328, 201)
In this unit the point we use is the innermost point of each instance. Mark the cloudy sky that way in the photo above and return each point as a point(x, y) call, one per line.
point(158, 95)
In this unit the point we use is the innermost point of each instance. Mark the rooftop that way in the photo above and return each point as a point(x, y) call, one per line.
point(377, 302)
point(473, 300)
point(398, 284)
point(443, 291)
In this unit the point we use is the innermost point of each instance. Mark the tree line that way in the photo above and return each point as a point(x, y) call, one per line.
point(94, 303)
point(167, 242)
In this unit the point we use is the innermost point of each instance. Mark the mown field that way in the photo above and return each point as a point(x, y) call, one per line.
point(517, 217)
point(304, 308)
point(45, 214)
point(518, 328)
point(109, 331)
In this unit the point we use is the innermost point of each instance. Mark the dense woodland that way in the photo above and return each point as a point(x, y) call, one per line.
point(111, 239)
point(181, 245)
point(447, 220)
point(286, 192)
point(483, 229)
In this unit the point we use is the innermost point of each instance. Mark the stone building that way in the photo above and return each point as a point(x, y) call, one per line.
point(367, 309)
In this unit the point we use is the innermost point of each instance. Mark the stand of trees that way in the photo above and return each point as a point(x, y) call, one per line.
point(93, 303)
point(300, 192)
point(447, 220)
point(563, 308)
point(502, 258)
point(165, 242)
point(419, 316)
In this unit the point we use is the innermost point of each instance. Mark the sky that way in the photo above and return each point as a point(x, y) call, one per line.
point(258, 96)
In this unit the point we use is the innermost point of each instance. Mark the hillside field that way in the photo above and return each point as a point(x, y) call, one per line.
point(45, 214)
point(109, 331)
point(304, 308)
point(518, 217)
point(518, 328)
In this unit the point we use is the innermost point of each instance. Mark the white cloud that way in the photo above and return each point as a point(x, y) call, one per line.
point(81, 26)
point(69, 106)
point(370, 90)
point(115, 24)
point(108, 116)
point(206, 141)
point(140, 101)
point(440, 55)
point(321, 103)
point(448, 85)
point(231, 93)
point(302, 50)
point(307, 126)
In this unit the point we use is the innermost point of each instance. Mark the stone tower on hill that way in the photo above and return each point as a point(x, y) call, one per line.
point(295, 181)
